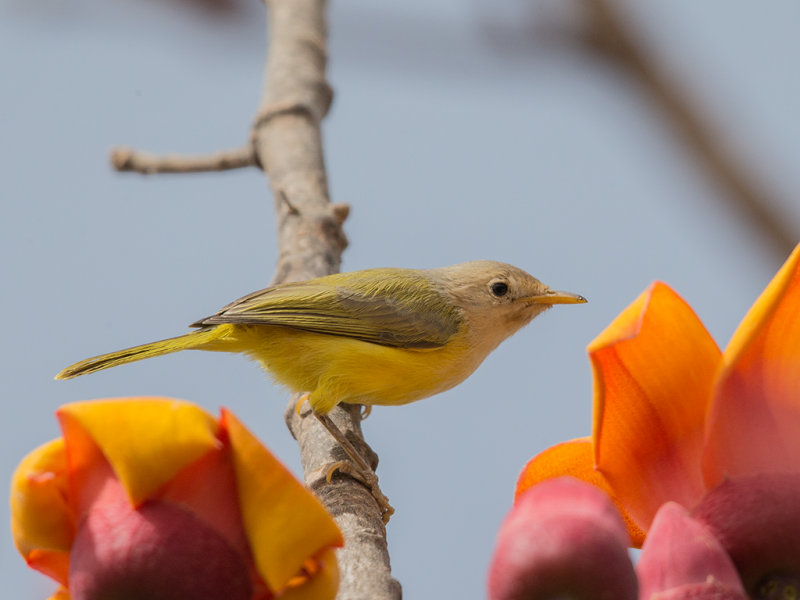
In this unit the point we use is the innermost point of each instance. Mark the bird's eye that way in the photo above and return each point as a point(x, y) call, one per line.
point(499, 288)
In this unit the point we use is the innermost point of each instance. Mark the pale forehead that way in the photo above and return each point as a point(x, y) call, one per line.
point(489, 269)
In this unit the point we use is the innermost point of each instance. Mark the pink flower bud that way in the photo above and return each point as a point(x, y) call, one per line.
point(562, 538)
point(681, 559)
point(159, 551)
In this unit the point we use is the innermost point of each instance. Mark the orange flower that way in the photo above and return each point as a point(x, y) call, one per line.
point(674, 418)
point(153, 497)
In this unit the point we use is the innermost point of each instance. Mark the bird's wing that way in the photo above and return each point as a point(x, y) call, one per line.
point(391, 307)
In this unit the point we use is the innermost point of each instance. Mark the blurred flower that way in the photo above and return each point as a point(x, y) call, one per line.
point(562, 538)
point(718, 433)
point(154, 498)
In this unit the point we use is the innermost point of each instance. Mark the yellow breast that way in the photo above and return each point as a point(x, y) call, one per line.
point(340, 369)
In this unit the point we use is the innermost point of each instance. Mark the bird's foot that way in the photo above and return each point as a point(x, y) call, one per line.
point(359, 468)
point(369, 479)
point(366, 410)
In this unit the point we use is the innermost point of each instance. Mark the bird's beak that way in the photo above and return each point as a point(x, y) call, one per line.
point(554, 297)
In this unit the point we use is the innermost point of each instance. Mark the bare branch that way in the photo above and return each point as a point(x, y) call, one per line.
point(288, 143)
point(610, 32)
point(127, 159)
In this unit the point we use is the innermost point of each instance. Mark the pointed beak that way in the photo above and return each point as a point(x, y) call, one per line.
point(554, 297)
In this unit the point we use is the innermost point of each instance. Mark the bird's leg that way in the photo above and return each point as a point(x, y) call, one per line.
point(359, 470)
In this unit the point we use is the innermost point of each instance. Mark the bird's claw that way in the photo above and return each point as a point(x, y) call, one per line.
point(300, 401)
point(346, 467)
point(368, 479)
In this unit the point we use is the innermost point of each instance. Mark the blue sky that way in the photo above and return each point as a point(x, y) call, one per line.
point(449, 143)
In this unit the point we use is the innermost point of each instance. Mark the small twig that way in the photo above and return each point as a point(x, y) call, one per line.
point(127, 159)
point(610, 32)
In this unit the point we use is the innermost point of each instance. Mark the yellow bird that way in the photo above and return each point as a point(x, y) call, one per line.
point(379, 336)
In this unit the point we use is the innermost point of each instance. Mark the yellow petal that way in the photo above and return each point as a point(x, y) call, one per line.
point(321, 585)
point(574, 458)
point(654, 370)
point(61, 594)
point(145, 440)
point(754, 422)
point(40, 513)
point(285, 523)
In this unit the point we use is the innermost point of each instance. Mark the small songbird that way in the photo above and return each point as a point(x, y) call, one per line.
point(379, 336)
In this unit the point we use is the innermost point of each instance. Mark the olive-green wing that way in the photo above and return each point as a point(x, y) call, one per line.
point(392, 307)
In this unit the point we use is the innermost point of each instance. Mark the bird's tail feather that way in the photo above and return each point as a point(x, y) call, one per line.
point(194, 339)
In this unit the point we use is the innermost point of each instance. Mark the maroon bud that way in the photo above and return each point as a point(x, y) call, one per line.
point(757, 520)
point(159, 551)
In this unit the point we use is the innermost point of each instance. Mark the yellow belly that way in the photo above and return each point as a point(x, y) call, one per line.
point(339, 369)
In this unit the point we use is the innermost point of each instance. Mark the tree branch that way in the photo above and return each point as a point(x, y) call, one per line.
point(127, 159)
point(610, 32)
point(288, 144)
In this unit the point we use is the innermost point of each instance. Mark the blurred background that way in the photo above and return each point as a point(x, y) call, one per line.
point(598, 150)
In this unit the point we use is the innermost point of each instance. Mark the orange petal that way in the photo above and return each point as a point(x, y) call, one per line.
point(41, 518)
point(145, 440)
point(53, 563)
point(573, 458)
point(285, 523)
point(754, 421)
point(654, 369)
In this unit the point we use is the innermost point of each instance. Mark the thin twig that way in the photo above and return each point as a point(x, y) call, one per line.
point(612, 33)
point(127, 159)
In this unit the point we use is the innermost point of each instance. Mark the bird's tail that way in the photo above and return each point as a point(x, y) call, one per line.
point(195, 339)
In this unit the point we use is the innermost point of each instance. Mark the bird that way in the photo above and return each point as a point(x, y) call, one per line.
point(385, 336)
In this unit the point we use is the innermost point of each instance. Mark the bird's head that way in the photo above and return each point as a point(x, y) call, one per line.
point(497, 299)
